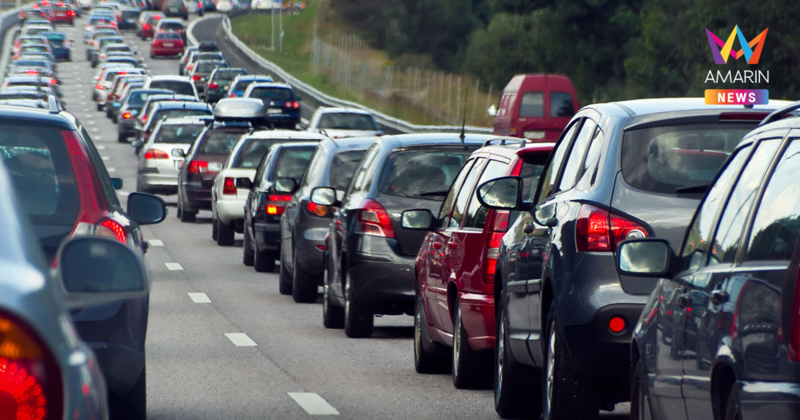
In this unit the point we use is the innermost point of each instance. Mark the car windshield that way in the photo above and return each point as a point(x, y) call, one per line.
point(252, 151)
point(342, 168)
point(423, 172)
point(668, 158)
point(272, 94)
point(347, 121)
point(292, 162)
point(228, 75)
point(178, 86)
point(179, 134)
point(220, 142)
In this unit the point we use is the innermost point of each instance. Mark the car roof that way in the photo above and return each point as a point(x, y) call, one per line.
point(433, 139)
point(192, 120)
point(254, 76)
point(277, 146)
point(512, 146)
point(340, 110)
point(347, 143)
point(181, 105)
point(286, 134)
point(661, 105)
point(171, 77)
point(278, 85)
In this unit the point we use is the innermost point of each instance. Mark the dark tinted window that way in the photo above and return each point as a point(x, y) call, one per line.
point(168, 36)
point(252, 152)
point(242, 85)
point(171, 26)
point(130, 14)
point(208, 66)
point(777, 221)
point(118, 48)
point(315, 168)
point(663, 159)
point(228, 75)
point(199, 56)
point(549, 182)
point(464, 193)
point(346, 121)
point(177, 86)
point(218, 142)
point(531, 170)
point(531, 105)
point(422, 173)
point(576, 155)
point(561, 105)
point(177, 113)
point(476, 213)
point(342, 168)
point(447, 204)
point(137, 99)
point(292, 162)
point(178, 134)
point(734, 215)
point(272, 94)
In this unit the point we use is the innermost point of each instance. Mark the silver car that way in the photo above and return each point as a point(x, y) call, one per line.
point(159, 161)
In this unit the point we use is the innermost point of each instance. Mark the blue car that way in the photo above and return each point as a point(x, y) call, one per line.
point(240, 84)
point(59, 45)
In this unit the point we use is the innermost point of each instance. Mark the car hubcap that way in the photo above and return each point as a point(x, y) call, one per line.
point(457, 344)
point(551, 367)
point(325, 290)
point(417, 331)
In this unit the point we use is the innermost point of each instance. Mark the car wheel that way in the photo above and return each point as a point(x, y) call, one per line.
point(133, 405)
point(225, 235)
point(264, 261)
point(566, 395)
point(187, 215)
point(304, 286)
point(121, 138)
point(214, 229)
point(332, 315)
point(284, 280)
point(640, 400)
point(733, 410)
point(511, 394)
point(429, 357)
point(358, 321)
point(471, 369)
point(99, 107)
point(248, 256)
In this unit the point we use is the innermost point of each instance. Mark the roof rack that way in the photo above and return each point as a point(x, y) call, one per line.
point(504, 140)
point(780, 113)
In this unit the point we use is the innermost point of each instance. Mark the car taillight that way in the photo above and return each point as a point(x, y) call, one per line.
point(374, 220)
point(99, 86)
point(31, 72)
point(126, 115)
point(70, 13)
point(53, 81)
point(190, 66)
point(213, 85)
point(30, 379)
point(155, 154)
point(498, 228)
point(228, 187)
point(102, 57)
point(196, 77)
point(292, 105)
point(317, 209)
point(597, 230)
point(232, 95)
point(145, 26)
point(198, 167)
point(111, 229)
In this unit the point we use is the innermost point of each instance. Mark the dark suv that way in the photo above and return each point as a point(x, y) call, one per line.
point(720, 334)
point(369, 267)
point(620, 171)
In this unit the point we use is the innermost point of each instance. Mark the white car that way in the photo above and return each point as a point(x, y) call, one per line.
point(224, 6)
point(181, 85)
point(338, 123)
point(159, 161)
point(265, 4)
point(228, 194)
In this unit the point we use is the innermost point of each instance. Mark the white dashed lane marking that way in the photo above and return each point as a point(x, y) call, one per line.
point(111, 169)
point(199, 298)
point(155, 242)
point(240, 340)
point(313, 404)
point(106, 158)
point(174, 266)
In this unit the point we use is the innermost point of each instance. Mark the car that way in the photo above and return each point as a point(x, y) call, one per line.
point(152, 100)
point(34, 49)
point(63, 13)
point(304, 225)
point(109, 48)
point(30, 13)
point(62, 185)
point(240, 84)
point(124, 59)
point(121, 94)
point(60, 45)
point(27, 40)
point(224, 6)
point(97, 32)
point(46, 13)
point(103, 87)
point(35, 63)
point(17, 69)
point(158, 168)
point(202, 69)
point(172, 25)
point(339, 123)
point(369, 260)
point(35, 80)
point(218, 82)
point(148, 27)
point(168, 44)
point(230, 192)
point(208, 46)
point(142, 21)
point(175, 8)
point(198, 55)
point(130, 16)
point(204, 160)
point(624, 170)
point(283, 106)
point(185, 58)
point(195, 7)
point(456, 264)
point(169, 109)
point(118, 85)
point(178, 84)
point(130, 108)
point(100, 42)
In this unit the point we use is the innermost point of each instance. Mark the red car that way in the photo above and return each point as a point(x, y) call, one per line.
point(63, 13)
point(166, 44)
point(45, 12)
point(455, 317)
point(149, 26)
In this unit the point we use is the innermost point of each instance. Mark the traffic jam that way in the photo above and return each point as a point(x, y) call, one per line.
point(186, 237)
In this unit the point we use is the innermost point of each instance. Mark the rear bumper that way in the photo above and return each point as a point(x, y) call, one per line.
point(166, 51)
point(268, 235)
point(229, 210)
point(477, 314)
point(381, 279)
point(197, 198)
point(309, 256)
point(769, 400)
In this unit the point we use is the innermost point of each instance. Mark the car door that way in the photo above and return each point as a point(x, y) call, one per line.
point(252, 201)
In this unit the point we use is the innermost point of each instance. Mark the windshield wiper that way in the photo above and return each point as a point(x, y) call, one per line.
point(433, 193)
point(693, 189)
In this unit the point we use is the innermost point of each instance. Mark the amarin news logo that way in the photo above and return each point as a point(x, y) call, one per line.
point(721, 56)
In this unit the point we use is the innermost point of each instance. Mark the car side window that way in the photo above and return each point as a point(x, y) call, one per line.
point(588, 171)
point(696, 243)
point(550, 174)
point(360, 180)
point(476, 213)
point(577, 154)
point(777, 220)
point(447, 204)
point(109, 194)
point(460, 206)
point(734, 215)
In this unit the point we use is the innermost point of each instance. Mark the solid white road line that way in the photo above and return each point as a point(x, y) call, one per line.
point(199, 298)
point(313, 404)
point(173, 266)
point(240, 340)
point(155, 242)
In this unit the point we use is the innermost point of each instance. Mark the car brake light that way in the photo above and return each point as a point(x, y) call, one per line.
point(196, 77)
point(53, 81)
point(111, 229)
point(593, 233)
point(126, 115)
point(228, 187)
point(198, 167)
point(145, 26)
point(190, 66)
point(155, 154)
point(31, 72)
point(616, 324)
point(317, 209)
point(99, 86)
point(498, 228)
point(213, 85)
point(30, 379)
point(374, 220)
point(232, 95)
point(292, 105)
point(70, 13)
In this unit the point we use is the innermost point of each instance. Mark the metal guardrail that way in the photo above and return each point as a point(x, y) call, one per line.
point(327, 100)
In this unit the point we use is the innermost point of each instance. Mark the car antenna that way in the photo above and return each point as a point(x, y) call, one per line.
point(464, 119)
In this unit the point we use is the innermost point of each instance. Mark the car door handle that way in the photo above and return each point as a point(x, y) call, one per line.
point(719, 296)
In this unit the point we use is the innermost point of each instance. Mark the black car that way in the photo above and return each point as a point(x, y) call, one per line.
point(219, 81)
point(283, 106)
point(129, 111)
point(304, 224)
point(730, 296)
point(129, 18)
point(369, 259)
point(175, 8)
point(620, 171)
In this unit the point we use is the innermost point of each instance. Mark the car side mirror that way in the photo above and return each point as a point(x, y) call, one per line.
point(649, 257)
point(178, 153)
point(421, 219)
point(137, 144)
point(324, 196)
point(242, 183)
point(286, 185)
point(96, 269)
point(146, 209)
point(501, 193)
point(117, 183)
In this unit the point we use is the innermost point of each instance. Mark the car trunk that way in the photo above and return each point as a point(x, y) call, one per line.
point(409, 240)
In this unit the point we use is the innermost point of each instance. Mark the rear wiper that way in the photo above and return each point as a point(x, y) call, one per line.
point(433, 193)
point(693, 189)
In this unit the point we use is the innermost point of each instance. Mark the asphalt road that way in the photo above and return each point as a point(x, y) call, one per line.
point(196, 371)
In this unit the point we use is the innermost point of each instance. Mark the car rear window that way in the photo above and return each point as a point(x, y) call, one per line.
point(228, 75)
point(252, 152)
point(343, 167)
point(168, 35)
point(561, 105)
point(347, 121)
point(41, 172)
point(272, 94)
point(177, 113)
point(532, 105)
point(206, 56)
point(137, 99)
point(118, 48)
point(292, 162)
point(179, 134)
point(219, 142)
point(130, 14)
point(242, 85)
point(177, 86)
point(668, 158)
point(422, 173)
point(208, 66)
point(171, 25)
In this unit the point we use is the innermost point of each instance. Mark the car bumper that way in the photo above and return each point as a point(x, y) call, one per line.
point(309, 251)
point(197, 198)
point(121, 365)
point(158, 182)
point(284, 119)
point(214, 95)
point(769, 400)
point(126, 127)
point(166, 51)
point(477, 314)
point(268, 235)
point(229, 210)
point(381, 279)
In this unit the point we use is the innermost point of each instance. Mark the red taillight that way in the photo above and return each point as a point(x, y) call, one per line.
point(190, 66)
point(114, 24)
point(198, 167)
point(599, 231)
point(317, 209)
point(157, 17)
point(232, 95)
point(213, 85)
point(374, 220)
point(31, 72)
point(292, 105)
point(497, 228)
point(70, 13)
point(53, 81)
point(99, 86)
point(196, 77)
point(111, 229)
point(155, 154)
point(228, 187)
point(30, 379)
point(616, 324)
point(126, 115)
point(145, 26)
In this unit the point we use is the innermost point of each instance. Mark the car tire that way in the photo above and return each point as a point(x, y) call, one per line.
point(121, 138)
point(358, 321)
point(733, 409)
point(214, 229)
point(99, 107)
point(226, 235)
point(640, 399)
point(565, 394)
point(248, 256)
point(429, 357)
point(511, 393)
point(186, 215)
point(471, 369)
point(332, 315)
point(133, 405)
point(264, 261)
point(284, 280)
point(304, 286)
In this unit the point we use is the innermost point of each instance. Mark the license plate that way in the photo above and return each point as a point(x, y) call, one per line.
point(168, 44)
point(274, 111)
point(130, 20)
point(173, 10)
